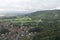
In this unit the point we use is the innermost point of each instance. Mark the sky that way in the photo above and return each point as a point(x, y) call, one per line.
point(28, 5)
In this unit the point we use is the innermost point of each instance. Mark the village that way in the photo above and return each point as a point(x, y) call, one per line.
point(8, 31)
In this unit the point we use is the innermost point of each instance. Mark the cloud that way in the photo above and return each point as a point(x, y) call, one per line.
point(28, 5)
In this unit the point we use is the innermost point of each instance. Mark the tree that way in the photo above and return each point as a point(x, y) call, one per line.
point(4, 31)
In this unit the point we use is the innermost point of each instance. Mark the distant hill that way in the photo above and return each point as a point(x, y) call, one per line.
point(12, 13)
point(46, 15)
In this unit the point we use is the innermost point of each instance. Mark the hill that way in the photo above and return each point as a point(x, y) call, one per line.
point(46, 15)
point(40, 25)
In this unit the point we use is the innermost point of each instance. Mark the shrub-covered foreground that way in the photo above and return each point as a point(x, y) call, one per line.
point(30, 31)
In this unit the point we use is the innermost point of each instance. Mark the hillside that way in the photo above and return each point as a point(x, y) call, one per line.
point(40, 25)
point(46, 15)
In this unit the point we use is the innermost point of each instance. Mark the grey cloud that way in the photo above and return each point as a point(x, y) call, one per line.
point(28, 5)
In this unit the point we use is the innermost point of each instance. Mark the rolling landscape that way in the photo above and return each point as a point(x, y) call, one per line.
point(38, 25)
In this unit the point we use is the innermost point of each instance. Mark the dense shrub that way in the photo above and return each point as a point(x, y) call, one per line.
point(3, 31)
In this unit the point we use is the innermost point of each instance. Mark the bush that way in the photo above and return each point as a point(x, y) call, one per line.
point(4, 31)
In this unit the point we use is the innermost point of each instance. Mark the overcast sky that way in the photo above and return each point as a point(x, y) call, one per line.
point(28, 5)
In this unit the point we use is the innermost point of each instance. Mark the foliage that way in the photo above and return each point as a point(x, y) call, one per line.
point(4, 31)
